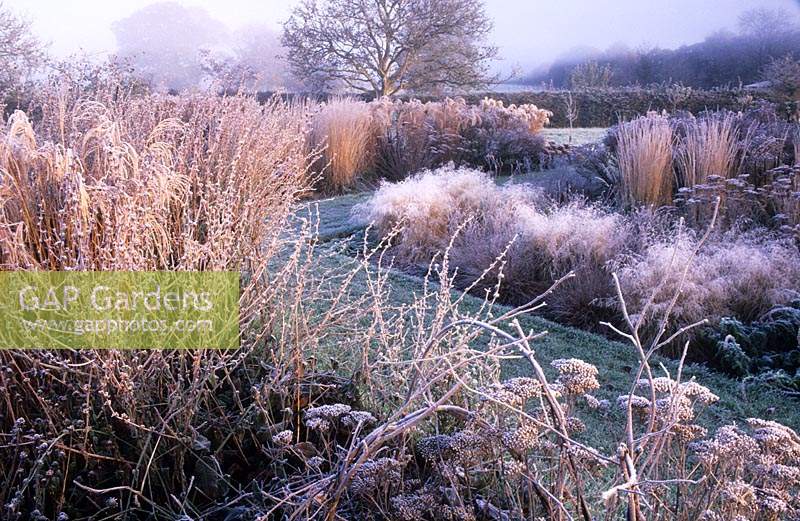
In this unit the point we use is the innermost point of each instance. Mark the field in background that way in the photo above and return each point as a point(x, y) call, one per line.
point(575, 136)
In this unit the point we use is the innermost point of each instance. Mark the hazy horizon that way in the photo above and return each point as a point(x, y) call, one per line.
point(528, 33)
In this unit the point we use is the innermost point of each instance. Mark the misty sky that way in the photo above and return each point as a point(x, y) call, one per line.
point(528, 32)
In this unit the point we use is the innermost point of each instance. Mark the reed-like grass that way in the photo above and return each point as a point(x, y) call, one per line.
point(198, 190)
point(343, 130)
point(710, 146)
point(644, 160)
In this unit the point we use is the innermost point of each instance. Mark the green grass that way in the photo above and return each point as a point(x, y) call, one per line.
point(616, 361)
point(334, 214)
point(580, 136)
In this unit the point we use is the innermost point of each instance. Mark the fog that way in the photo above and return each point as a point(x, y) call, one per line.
point(528, 32)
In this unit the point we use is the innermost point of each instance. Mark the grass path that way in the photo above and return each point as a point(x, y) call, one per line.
point(616, 361)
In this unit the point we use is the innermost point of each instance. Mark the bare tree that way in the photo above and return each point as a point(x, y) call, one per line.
point(571, 110)
point(20, 50)
point(385, 46)
point(163, 41)
point(591, 75)
point(762, 22)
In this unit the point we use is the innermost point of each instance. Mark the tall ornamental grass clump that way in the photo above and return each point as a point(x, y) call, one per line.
point(343, 130)
point(740, 147)
point(157, 183)
point(644, 160)
point(710, 145)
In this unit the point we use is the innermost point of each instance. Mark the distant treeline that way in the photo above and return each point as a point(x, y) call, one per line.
point(723, 59)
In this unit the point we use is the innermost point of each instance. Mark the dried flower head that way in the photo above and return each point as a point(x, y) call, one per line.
point(374, 473)
point(576, 376)
point(283, 438)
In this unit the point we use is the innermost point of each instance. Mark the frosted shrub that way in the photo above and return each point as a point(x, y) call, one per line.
point(740, 277)
point(506, 138)
point(505, 237)
point(428, 208)
point(534, 117)
point(539, 242)
point(413, 136)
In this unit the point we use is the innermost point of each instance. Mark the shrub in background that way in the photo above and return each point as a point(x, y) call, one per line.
point(393, 139)
point(414, 136)
point(766, 141)
point(783, 74)
point(505, 138)
point(404, 142)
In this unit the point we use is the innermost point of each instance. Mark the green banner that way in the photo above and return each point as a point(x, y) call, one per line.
point(119, 310)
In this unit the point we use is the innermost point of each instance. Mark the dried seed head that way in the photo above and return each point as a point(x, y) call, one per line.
point(576, 376)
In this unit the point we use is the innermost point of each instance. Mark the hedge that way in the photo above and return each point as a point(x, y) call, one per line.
point(606, 107)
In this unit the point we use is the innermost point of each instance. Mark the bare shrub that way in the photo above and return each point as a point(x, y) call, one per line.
point(644, 160)
point(783, 75)
point(343, 130)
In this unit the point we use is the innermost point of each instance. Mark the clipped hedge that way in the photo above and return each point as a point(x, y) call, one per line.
point(605, 107)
